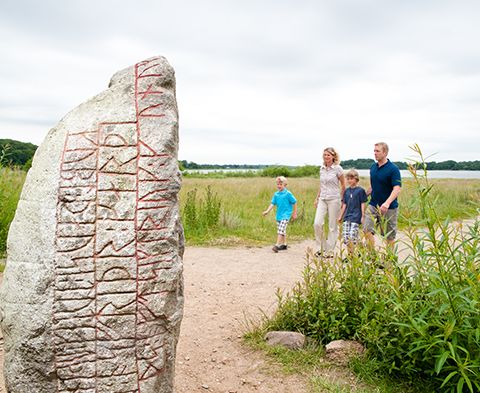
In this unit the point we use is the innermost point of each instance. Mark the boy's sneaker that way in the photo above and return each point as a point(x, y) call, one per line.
point(318, 254)
point(275, 248)
point(282, 247)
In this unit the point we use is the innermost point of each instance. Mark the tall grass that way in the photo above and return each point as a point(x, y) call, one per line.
point(11, 182)
point(419, 318)
point(201, 215)
point(243, 200)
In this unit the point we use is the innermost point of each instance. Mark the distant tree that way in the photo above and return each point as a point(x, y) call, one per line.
point(401, 165)
point(359, 163)
point(311, 170)
point(18, 152)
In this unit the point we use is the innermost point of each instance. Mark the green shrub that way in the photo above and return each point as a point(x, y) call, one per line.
point(299, 171)
point(275, 171)
point(200, 215)
point(306, 171)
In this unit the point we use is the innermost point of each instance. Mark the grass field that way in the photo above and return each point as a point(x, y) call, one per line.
point(243, 200)
point(240, 203)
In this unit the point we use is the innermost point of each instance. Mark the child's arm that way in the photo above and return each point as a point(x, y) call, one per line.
point(363, 211)
point(341, 178)
point(268, 210)
point(294, 214)
point(342, 211)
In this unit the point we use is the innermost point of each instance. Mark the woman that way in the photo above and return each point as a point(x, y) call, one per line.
point(328, 201)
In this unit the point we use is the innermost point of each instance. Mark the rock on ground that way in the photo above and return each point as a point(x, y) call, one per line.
point(341, 351)
point(290, 340)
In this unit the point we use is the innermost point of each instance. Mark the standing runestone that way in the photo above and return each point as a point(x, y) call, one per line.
point(92, 297)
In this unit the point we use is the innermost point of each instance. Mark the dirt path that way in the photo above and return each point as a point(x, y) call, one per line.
point(223, 287)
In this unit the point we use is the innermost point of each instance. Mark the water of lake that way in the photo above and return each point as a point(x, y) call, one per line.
point(435, 174)
point(366, 173)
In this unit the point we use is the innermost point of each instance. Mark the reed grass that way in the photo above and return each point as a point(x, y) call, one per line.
point(11, 182)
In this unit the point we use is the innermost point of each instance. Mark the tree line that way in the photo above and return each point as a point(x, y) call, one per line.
point(449, 165)
point(360, 163)
point(19, 154)
point(15, 153)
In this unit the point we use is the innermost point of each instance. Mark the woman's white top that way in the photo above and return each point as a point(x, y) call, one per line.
point(329, 182)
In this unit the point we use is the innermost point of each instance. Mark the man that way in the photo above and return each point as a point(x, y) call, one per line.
point(385, 186)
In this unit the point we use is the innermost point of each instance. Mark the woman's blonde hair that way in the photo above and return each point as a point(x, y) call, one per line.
point(334, 153)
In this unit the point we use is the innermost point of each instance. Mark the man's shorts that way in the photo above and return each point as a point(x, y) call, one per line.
point(350, 232)
point(282, 227)
point(387, 222)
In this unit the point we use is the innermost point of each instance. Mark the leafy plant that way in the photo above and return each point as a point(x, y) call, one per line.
point(200, 215)
point(5, 152)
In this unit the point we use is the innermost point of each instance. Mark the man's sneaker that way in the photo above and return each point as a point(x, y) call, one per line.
point(275, 248)
point(282, 247)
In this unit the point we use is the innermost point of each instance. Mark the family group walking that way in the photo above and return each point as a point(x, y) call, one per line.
point(347, 205)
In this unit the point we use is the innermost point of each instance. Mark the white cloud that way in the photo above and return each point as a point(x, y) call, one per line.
point(258, 82)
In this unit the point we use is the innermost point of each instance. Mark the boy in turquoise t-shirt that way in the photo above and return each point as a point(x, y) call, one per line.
point(286, 209)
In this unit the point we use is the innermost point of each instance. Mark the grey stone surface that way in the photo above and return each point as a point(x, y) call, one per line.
point(92, 297)
point(341, 351)
point(290, 340)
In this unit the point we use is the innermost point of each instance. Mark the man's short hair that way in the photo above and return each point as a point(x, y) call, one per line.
point(383, 145)
point(282, 179)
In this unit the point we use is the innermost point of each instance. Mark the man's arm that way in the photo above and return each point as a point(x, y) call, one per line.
point(393, 195)
point(363, 211)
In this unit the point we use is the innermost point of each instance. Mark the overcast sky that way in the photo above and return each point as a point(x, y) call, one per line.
point(259, 81)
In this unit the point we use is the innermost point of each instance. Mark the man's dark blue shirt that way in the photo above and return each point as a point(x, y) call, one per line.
point(382, 181)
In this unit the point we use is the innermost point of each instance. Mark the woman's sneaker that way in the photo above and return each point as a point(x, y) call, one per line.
point(282, 247)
